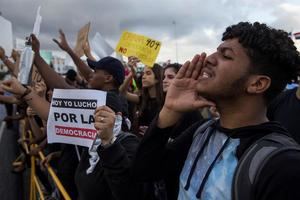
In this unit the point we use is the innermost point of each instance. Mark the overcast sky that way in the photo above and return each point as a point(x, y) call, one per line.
point(199, 24)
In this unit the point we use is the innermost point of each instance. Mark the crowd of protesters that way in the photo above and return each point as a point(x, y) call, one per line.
point(157, 141)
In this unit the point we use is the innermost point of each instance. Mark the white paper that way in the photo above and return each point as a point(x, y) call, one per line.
point(70, 119)
point(37, 23)
point(100, 46)
point(6, 39)
point(20, 44)
point(26, 61)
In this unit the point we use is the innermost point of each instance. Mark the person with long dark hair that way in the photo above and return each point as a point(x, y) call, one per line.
point(150, 99)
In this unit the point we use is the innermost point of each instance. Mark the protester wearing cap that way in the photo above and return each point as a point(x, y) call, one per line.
point(109, 66)
point(105, 78)
point(107, 75)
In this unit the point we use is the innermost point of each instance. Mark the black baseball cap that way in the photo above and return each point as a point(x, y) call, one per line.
point(111, 65)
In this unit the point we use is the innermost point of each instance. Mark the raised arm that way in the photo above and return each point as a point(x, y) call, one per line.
point(87, 51)
point(39, 104)
point(52, 79)
point(132, 63)
point(123, 90)
point(83, 68)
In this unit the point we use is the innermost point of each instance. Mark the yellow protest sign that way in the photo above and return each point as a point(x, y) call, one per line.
point(82, 38)
point(145, 48)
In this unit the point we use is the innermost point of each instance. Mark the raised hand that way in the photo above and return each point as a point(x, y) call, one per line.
point(87, 51)
point(132, 61)
point(86, 48)
point(63, 44)
point(182, 95)
point(35, 44)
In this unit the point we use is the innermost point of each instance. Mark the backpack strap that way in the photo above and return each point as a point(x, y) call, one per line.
point(203, 127)
point(253, 161)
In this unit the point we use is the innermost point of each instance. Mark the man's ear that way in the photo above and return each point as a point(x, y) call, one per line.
point(258, 84)
point(109, 78)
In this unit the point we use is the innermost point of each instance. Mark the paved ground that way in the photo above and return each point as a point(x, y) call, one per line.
point(11, 185)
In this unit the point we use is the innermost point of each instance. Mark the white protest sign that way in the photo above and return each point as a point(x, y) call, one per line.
point(37, 23)
point(100, 46)
point(71, 117)
point(26, 61)
point(20, 44)
point(6, 40)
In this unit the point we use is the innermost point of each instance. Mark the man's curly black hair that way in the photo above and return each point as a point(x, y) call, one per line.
point(271, 51)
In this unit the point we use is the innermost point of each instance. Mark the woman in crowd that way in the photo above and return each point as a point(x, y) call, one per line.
point(150, 99)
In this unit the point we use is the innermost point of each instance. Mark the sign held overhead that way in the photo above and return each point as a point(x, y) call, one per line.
point(145, 48)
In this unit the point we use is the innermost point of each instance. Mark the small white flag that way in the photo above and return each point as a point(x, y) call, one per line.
point(100, 46)
point(37, 23)
point(20, 44)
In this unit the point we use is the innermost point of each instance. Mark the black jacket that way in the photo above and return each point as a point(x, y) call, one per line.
point(111, 177)
point(155, 160)
point(285, 109)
